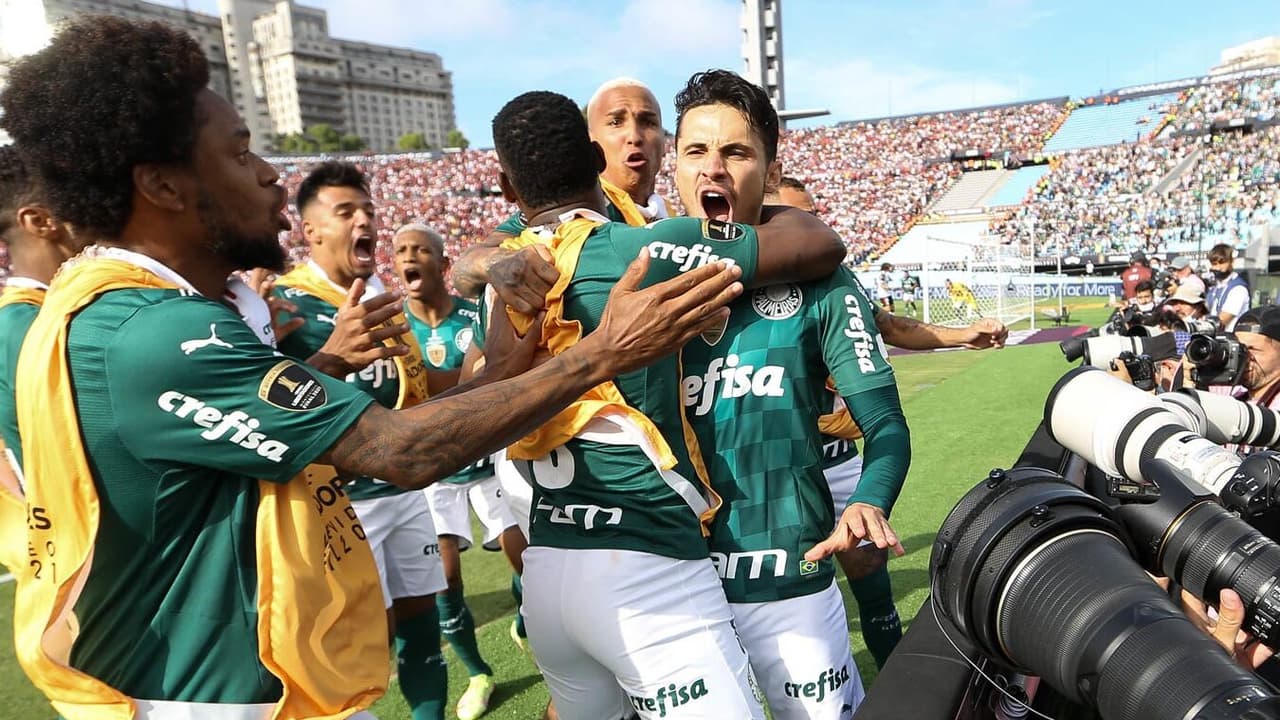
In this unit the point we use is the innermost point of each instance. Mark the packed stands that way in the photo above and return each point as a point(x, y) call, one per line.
point(1177, 187)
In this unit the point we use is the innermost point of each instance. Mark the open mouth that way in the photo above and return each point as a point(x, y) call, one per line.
point(636, 160)
point(716, 205)
point(412, 278)
point(363, 249)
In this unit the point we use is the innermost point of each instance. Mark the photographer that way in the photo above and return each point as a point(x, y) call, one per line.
point(1258, 330)
point(1184, 275)
point(1139, 271)
point(1142, 300)
point(1189, 305)
point(1228, 299)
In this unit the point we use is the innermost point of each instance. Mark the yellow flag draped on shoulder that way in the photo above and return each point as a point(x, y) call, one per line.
point(413, 372)
point(621, 200)
point(559, 334)
point(321, 633)
point(13, 508)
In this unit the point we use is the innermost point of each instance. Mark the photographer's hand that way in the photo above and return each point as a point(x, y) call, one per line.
point(1245, 649)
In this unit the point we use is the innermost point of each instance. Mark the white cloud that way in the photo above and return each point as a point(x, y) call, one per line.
point(861, 88)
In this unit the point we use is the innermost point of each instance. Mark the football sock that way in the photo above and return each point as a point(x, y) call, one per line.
point(459, 629)
point(517, 592)
point(881, 626)
point(423, 676)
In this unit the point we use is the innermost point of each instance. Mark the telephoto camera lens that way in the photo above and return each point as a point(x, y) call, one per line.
point(1206, 350)
point(1039, 575)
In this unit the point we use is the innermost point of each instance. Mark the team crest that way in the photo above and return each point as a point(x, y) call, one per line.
point(436, 351)
point(712, 335)
point(777, 302)
point(463, 340)
point(289, 386)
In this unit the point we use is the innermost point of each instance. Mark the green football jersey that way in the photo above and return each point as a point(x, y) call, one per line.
point(182, 409)
point(838, 451)
point(753, 396)
point(443, 348)
point(381, 379)
point(592, 494)
point(15, 320)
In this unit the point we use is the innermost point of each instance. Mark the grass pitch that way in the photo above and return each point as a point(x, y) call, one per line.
point(968, 412)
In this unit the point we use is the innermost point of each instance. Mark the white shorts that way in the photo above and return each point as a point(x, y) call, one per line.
point(403, 541)
point(517, 491)
point(800, 652)
point(450, 510)
point(618, 632)
point(843, 481)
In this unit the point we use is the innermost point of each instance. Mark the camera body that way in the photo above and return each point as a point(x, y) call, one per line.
point(1141, 369)
point(1217, 359)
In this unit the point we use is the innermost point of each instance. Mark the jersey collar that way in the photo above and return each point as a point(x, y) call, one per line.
point(546, 231)
point(25, 282)
point(373, 284)
point(146, 262)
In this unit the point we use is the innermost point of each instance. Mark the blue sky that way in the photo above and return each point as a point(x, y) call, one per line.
point(857, 58)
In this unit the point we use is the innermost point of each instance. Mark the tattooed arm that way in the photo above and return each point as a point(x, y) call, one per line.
point(417, 446)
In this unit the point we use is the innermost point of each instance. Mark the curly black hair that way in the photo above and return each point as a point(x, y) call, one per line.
point(330, 173)
point(545, 149)
point(789, 182)
point(17, 188)
point(106, 95)
point(722, 87)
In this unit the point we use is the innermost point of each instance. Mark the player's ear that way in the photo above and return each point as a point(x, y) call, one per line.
point(773, 176)
point(508, 190)
point(600, 161)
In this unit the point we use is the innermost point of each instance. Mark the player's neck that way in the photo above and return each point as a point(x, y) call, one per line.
point(32, 258)
point(640, 192)
point(432, 310)
point(593, 200)
point(335, 274)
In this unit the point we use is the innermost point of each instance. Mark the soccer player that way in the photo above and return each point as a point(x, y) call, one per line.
point(884, 287)
point(442, 326)
point(753, 394)
point(866, 565)
point(624, 118)
point(618, 493)
point(38, 244)
point(962, 299)
point(181, 558)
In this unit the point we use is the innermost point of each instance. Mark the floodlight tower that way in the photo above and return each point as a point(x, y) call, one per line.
point(762, 54)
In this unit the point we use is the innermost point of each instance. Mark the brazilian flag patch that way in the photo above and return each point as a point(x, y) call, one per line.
point(808, 567)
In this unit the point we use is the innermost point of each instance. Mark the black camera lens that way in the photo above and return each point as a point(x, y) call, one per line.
point(1207, 351)
point(1040, 575)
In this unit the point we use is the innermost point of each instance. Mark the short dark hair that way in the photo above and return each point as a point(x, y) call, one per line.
point(107, 95)
point(1144, 286)
point(17, 188)
point(789, 182)
point(330, 173)
point(545, 149)
point(1221, 253)
point(721, 87)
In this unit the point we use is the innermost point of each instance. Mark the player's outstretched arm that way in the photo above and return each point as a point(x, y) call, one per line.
point(911, 334)
point(795, 246)
point(415, 447)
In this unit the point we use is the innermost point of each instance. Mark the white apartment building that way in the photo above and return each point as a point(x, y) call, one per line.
point(280, 67)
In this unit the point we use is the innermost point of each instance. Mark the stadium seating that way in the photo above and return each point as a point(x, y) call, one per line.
point(1014, 186)
point(951, 242)
point(1102, 124)
point(969, 190)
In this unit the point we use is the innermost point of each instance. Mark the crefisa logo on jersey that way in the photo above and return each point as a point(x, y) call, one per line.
point(863, 343)
point(727, 379)
point(777, 302)
point(235, 427)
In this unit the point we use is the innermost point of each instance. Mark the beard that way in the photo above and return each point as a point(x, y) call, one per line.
point(242, 250)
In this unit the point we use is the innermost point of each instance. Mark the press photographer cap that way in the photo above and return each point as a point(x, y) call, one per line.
point(1179, 263)
point(1262, 320)
point(1188, 294)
